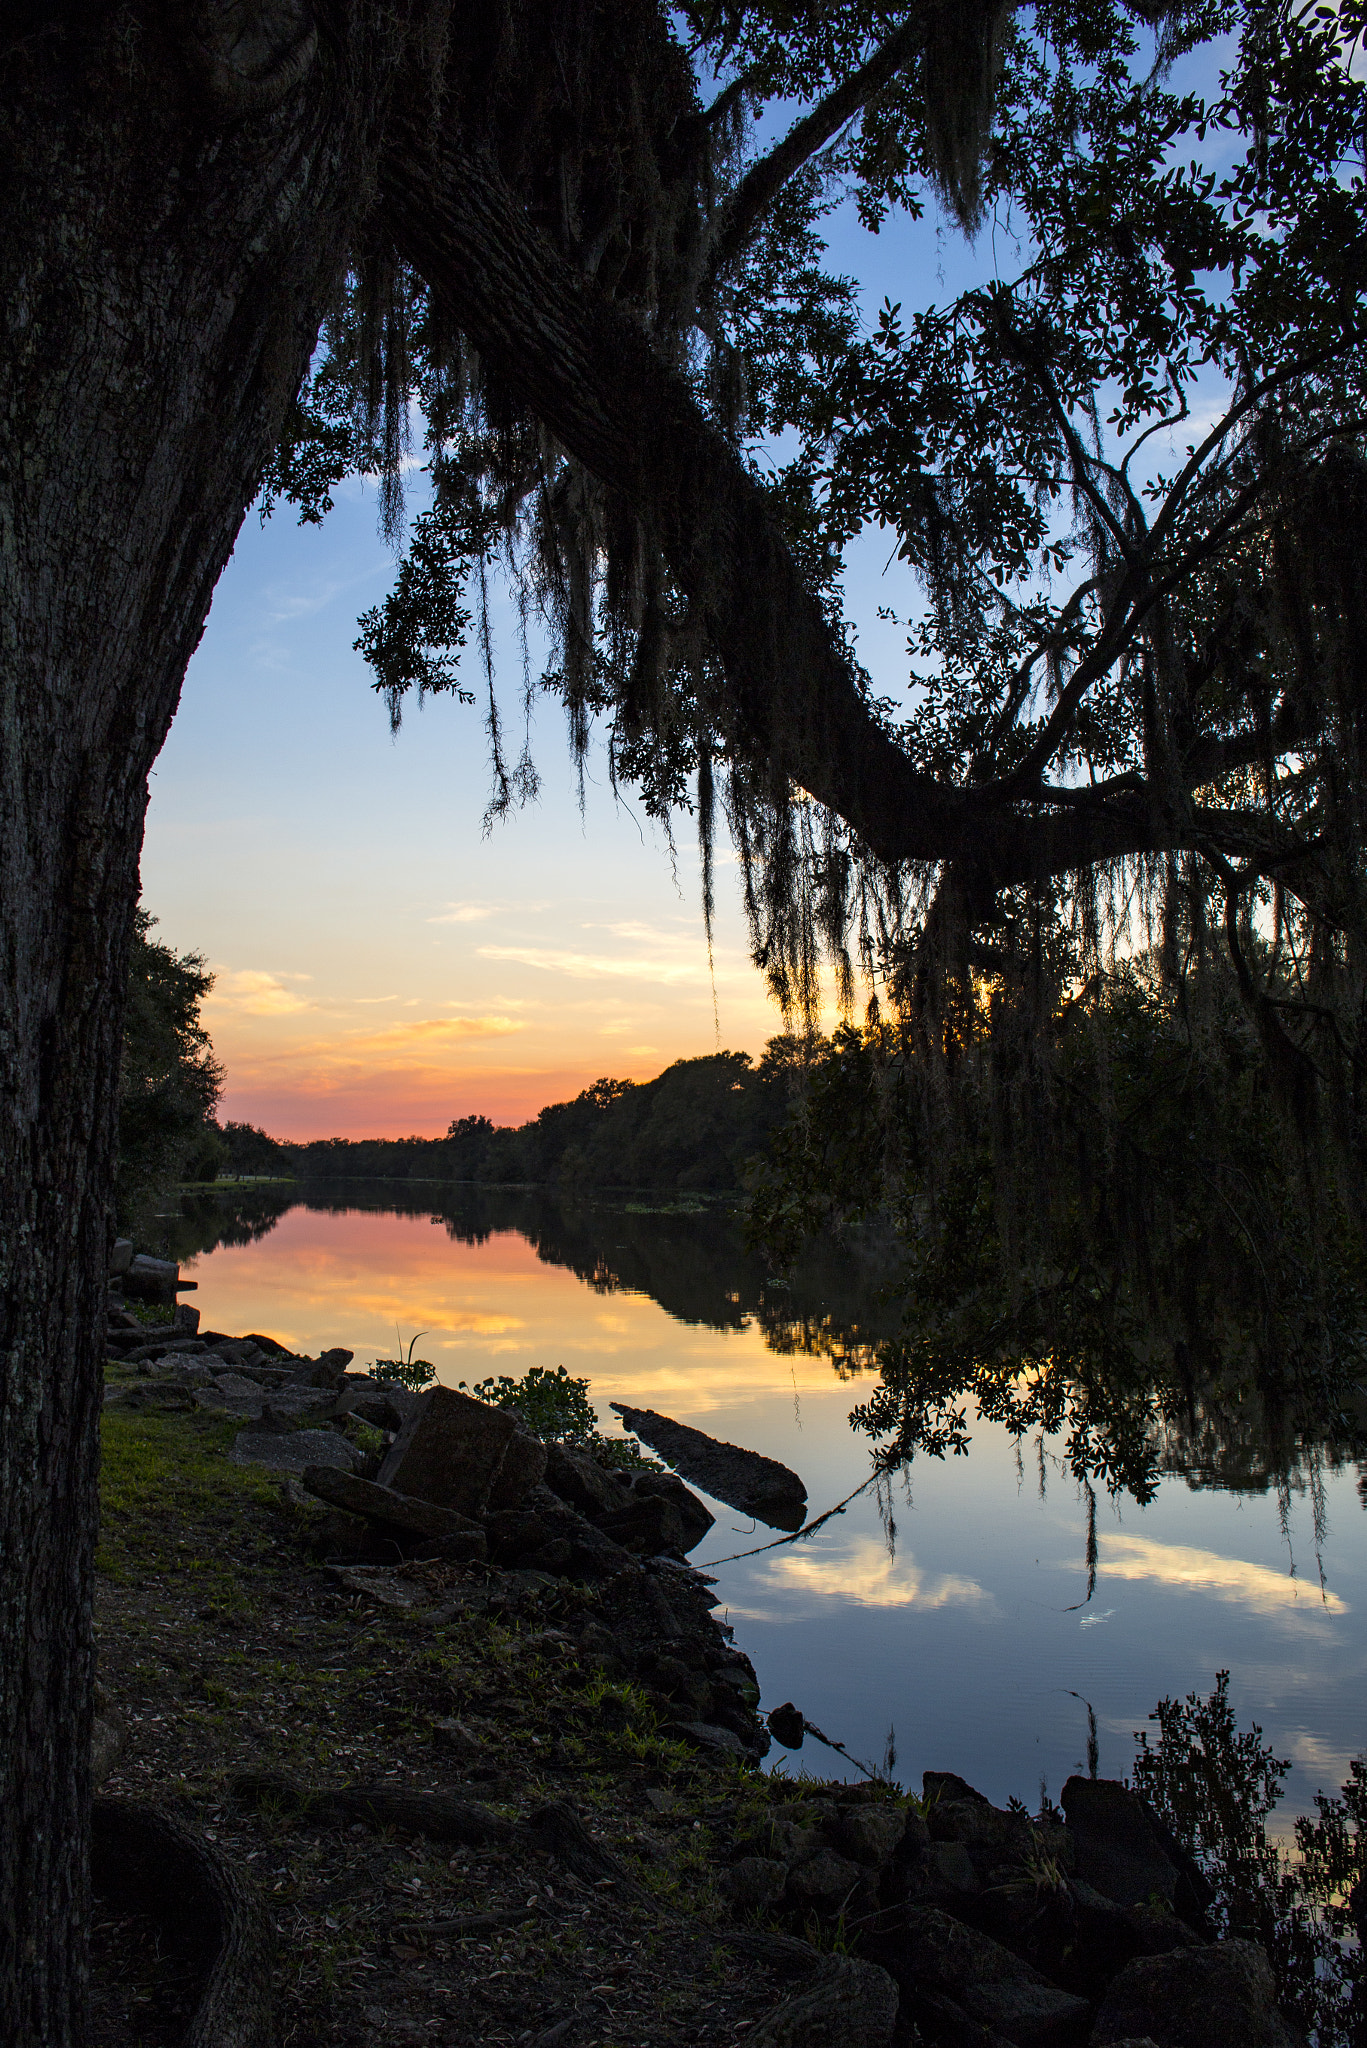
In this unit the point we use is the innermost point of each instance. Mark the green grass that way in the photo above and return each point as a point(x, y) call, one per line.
point(169, 1493)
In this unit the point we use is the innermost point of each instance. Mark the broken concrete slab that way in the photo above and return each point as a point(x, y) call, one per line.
point(449, 1451)
point(745, 1480)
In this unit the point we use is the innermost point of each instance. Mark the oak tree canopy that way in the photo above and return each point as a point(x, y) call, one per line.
point(549, 223)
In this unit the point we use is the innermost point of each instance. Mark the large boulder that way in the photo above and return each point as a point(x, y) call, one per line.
point(522, 1467)
point(1220, 1995)
point(992, 1836)
point(1117, 1849)
point(149, 1279)
point(356, 1496)
point(295, 1450)
point(853, 2006)
point(668, 1486)
point(647, 1526)
point(582, 1482)
point(995, 1988)
point(449, 1451)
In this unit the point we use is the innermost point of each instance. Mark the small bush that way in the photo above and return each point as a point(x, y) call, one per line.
point(408, 1371)
point(556, 1407)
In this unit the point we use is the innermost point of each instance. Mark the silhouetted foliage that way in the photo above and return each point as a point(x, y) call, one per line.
point(169, 1080)
point(1100, 1225)
point(692, 1129)
point(1216, 1786)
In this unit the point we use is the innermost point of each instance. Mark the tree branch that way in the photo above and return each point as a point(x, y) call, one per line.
point(791, 701)
point(736, 222)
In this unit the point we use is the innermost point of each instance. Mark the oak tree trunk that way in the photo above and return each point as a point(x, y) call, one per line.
point(170, 235)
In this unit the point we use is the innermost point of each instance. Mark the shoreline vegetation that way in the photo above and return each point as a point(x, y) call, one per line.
point(694, 1129)
point(469, 1785)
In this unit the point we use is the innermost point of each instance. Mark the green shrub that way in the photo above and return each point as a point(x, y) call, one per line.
point(408, 1371)
point(556, 1407)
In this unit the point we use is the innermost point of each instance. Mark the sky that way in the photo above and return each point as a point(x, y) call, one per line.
point(383, 963)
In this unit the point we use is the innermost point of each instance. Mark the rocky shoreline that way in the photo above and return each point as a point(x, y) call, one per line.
point(578, 1756)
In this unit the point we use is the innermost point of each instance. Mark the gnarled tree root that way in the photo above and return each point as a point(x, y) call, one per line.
point(146, 1861)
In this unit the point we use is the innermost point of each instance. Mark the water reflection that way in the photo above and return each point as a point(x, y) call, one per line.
point(689, 1257)
point(1016, 1587)
point(1108, 1429)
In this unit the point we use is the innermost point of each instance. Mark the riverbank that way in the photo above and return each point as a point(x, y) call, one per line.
point(226, 1647)
point(463, 1803)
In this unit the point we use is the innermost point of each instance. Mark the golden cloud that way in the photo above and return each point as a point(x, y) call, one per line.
point(252, 992)
point(861, 1571)
point(1206, 1571)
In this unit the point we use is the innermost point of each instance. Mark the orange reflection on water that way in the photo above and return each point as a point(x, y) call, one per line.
point(319, 1280)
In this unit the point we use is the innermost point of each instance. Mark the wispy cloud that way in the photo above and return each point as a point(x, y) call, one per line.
point(593, 966)
point(475, 913)
point(1204, 1571)
point(429, 1034)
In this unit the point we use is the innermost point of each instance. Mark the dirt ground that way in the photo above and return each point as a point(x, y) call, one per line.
point(229, 1646)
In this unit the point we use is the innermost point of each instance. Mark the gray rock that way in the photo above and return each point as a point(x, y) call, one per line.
point(295, 1450)
point(827, 1881)
point(1115, 1845)
point(238, 1386)
point(190, 1371)
point(872, 1834)
point(745, 1480)
point(185, 1319)
point(151, 1279)
point(382, 1403)
point(944, 1953)
point(383, 1586)
point(1109, 1935)
point(853, 2006)
point(581, 1481)
point(705, 1735)
point(950, 1866)
point(382, 1504)
point(754, 1884)
point(456, 1739)
point(992, 1835)
point(1032, 2015)
point(1221, 1995)
point(121, 1258)
point(646, 1526)
point(449, 1451)
point(696, 1518)
point(522, 1466)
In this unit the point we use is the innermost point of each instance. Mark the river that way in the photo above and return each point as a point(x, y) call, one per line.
point(947, 1613)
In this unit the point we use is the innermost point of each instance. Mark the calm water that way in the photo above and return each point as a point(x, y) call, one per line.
point(965, 1639)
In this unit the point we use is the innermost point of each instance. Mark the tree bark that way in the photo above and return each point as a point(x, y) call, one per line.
point(164, 265)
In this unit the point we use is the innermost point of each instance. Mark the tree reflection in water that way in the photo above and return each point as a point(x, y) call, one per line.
point(1088, 1406)
point(1216, 1786)
point(1090, 1413)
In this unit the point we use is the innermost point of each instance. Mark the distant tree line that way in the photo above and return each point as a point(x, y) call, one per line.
point(693, 1128)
